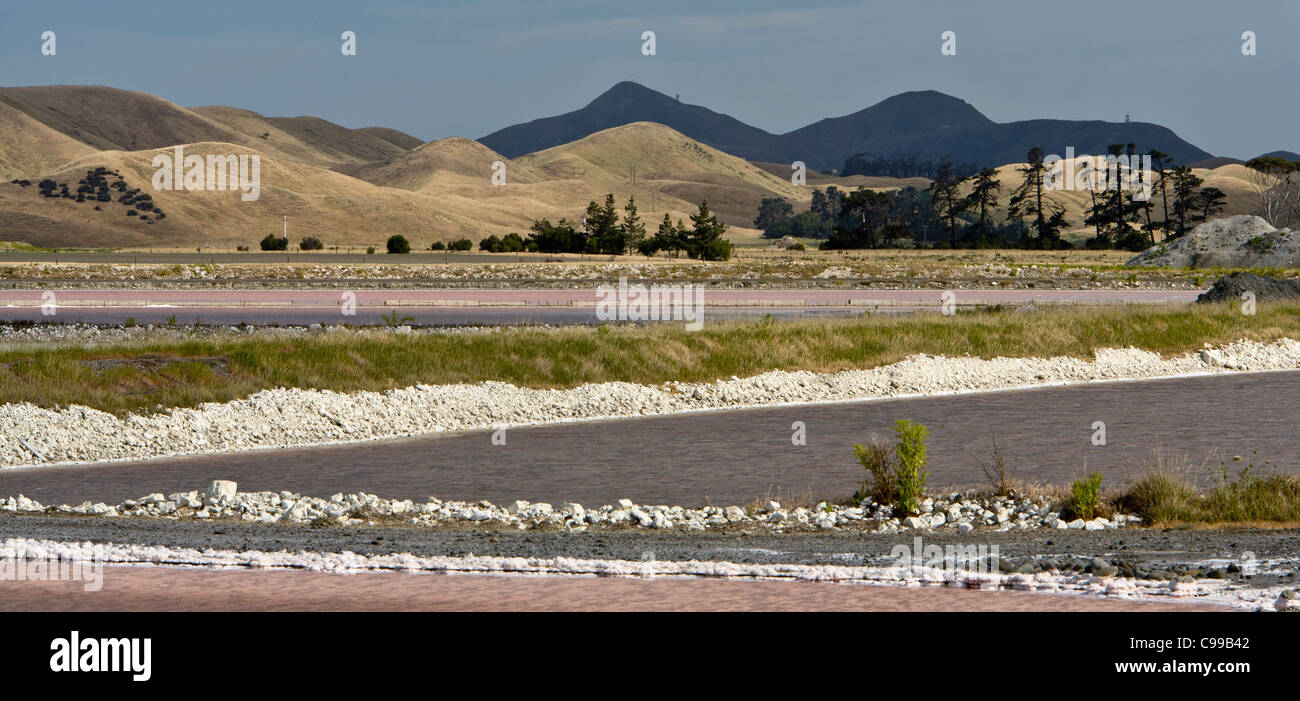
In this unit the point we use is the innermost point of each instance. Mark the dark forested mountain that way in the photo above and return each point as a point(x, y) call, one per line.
point(926, 124)
point(630, 102)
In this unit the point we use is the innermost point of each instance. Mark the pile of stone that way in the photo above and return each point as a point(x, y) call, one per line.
point(1242, 241)
point(222, 500)
point(1234, 288)
point(280, 417)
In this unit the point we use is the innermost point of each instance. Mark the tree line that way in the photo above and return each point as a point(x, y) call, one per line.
point(960, 207)
point(604, 231)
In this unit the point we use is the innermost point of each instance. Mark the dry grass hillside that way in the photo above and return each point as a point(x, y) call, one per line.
point(438, 164)
point(661, 165)
point(108, 118)
point(393, 136)
point(1233, 179)
point(339, 209)
point(355, 187)
point(29, 148)
point(111, 119)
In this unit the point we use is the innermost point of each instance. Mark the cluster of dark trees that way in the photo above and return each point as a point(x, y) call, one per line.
point(1176, 204)
point(855, 219)
point(94, 188)
point(1275, 183)
point(458, 245)
point(959, 206)
point(602, 231)
point(510, 243)
point(903, 167)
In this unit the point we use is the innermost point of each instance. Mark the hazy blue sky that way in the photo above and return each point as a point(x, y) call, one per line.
point(469, 67)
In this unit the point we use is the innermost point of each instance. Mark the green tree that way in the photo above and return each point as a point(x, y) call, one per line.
point(669, 237)
point(633, 227)
point(398, 244)
point(773, 210)
point(604, 235)
point(275, 243)
point(1031, 199)
point(983, 197)
point(946, 200)
point(705, 238)
point(1186, 206)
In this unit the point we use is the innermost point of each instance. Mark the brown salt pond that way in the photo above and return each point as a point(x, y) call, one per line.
point(193, 589)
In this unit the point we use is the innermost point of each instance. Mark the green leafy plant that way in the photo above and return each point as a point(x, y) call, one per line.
point(397, 244)
point(393, 321)
point(911, 470)
point(1085, 496)
point(895, 477)
point(878, 460)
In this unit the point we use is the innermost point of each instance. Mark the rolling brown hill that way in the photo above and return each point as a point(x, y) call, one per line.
point(355, 187)
point(29, 148)
point(112, 119)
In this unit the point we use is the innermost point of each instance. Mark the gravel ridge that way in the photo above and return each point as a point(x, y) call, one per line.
point(285, 417)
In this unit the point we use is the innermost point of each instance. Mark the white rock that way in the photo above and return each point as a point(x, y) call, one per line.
point(221, 491)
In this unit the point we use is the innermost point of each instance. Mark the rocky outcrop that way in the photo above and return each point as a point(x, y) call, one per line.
point(1241, 241)
point(1230, 288)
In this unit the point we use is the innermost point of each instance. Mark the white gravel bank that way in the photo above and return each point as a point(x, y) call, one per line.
point(1205, 591)
point(295, 417)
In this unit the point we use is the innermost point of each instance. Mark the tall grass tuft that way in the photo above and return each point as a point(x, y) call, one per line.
point(911, 469)
point(1085, 497)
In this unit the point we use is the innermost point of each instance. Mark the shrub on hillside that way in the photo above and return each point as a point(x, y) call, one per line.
point(398, 244)
point(274, 243)
point(310, 243)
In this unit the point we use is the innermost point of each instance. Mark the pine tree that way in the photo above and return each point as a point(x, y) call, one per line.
point(945, 200)
point(1031, 199)
point(983, 196)
point(633, 228)
point(705, 239)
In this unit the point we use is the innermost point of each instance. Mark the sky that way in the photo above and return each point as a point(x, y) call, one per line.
point(470, 67)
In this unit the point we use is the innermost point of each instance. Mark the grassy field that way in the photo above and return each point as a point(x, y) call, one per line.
point(186, 371)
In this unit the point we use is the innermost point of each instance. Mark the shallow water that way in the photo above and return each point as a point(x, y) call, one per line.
point(734, 457)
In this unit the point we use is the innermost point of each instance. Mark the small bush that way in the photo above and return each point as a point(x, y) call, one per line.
point(397, 244)
point(1249, 497)
point(911, 469)
point(898, 478)
point(275, 243)
point(370, 250)
point(310, 243)
point(877, 460)
point(1085, 496)
point(437, 246)
point(998, 473)
point(1162, 496)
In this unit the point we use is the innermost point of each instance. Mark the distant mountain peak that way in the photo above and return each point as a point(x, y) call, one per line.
point(926, 124)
